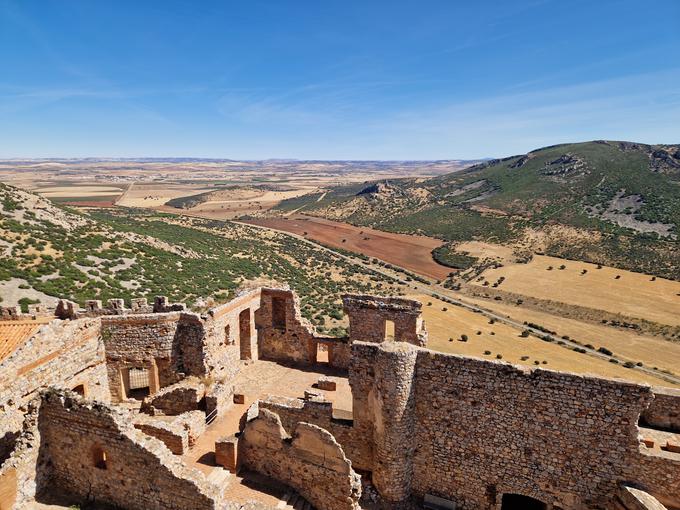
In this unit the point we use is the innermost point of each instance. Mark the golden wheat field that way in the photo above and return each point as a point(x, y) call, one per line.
point(580, 283)
point(504, 340)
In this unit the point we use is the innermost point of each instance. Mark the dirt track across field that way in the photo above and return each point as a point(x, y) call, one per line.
point(410, 252)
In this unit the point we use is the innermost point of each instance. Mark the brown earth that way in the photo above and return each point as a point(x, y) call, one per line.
point(410, 252)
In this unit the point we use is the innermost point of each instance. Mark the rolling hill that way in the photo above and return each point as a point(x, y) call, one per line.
point(608, 202)
point(49, 252)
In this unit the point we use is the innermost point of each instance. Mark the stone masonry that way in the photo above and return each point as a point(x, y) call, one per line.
point(302, 461)
point(461, 431)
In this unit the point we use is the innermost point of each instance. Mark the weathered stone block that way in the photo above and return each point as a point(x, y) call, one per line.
point(226, 451)
point(326, 384)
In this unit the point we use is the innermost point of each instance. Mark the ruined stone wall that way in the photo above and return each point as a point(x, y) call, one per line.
point(94, 452)
point(175, 399)
point(311, 461)
point(471, 430)
point(232, 335)
point(174, 436)
point(19, 478)
point(290, 337)
point(284, 335)
point(294, 410)
point(61, 353)
point(137, 341)
point(368, 316)
point(14, 313)
point(664, 411)
point(218, 399)
point(564, 439)
point(659, 474)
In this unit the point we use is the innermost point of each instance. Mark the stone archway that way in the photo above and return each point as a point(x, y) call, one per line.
point(521, 502)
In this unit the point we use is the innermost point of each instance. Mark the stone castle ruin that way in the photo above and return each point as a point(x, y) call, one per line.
point(245, 406)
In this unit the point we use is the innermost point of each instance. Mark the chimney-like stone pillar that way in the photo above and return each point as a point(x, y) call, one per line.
point(392, 400)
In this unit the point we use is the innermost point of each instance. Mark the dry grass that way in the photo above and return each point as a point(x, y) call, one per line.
point(632, 294)
point(652, 351)
point(456, 321)
point(157, 194)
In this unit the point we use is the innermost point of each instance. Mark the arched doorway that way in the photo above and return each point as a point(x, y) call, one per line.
point(520, 502)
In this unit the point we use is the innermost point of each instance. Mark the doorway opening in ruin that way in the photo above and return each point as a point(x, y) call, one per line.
point(99, 457)
point(139, 383)
point(278, 313)
point(389, 330)
point(321, 352)
point(227, 334)
point(244, 334)
point(520, 502)
point(80, 390)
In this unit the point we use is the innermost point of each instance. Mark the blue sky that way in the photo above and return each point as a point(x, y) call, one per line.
point(326, 79)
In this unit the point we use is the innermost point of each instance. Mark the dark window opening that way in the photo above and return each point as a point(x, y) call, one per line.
point(244, 334)
point(139, 383)
point(278, 313)
point(227, 332)
point(80, 390)
point(519, 502)
point(99, 458)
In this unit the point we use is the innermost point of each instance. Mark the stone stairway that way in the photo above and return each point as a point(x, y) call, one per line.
point(291, 500)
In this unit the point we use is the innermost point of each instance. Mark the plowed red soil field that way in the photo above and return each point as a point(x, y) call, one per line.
point(411, 252)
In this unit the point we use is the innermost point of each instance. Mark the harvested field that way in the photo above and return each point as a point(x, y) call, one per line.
point(652, 351)
point(411, 252)
point(613, 290)
point(81, 195)
point(506, 342)
point(483, 250)
point(156, 194)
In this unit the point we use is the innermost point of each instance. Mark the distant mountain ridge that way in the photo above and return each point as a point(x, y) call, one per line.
point(609, 202)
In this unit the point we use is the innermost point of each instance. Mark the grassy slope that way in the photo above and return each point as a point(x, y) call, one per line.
point(200, 259)
point(536, 191)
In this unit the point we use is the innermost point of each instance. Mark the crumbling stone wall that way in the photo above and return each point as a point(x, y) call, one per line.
point(62, 354)
point(178, 434)
point(174, 436)
point(141, 341)
point(659, 474)
point(178, 398)
point(368, 316)
point(135, 470)
point(664, 411)
point(292, 411)
point(284, 335)
point(471, 430)
point(19, 479)
point(219, 398)
point(171, 345)
point(288, 338)
point(234, 324)
point(9, 313)
point(311, 461)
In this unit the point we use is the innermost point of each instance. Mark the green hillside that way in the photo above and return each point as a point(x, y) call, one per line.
point(52, 252)
point(616, 203)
